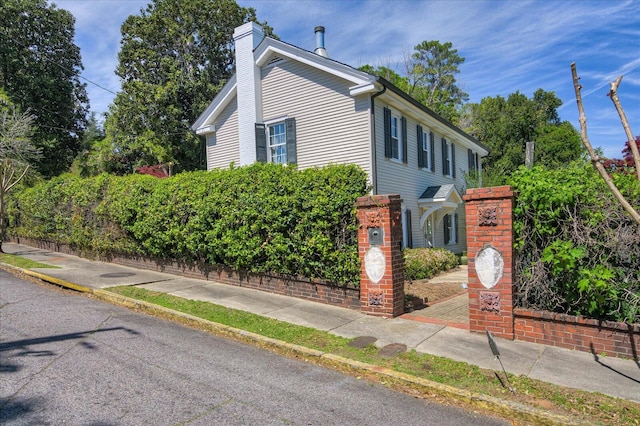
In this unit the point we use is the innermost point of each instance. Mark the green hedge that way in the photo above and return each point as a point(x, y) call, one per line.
point(421, 263)
point(262, 218)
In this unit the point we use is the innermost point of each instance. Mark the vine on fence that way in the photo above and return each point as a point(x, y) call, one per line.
point(577, 250)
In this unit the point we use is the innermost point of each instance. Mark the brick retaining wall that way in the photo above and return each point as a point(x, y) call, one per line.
point(302, 288)
point(578, 333)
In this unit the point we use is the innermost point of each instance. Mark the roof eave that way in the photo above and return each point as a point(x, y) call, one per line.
point(393, 88)
point(219, 102)
point(270, 45)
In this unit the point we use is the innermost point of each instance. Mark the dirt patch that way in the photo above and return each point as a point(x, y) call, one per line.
point(422, 293)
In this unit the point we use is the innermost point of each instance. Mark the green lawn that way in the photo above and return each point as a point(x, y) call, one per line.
point(21, 262)
point(579, 405)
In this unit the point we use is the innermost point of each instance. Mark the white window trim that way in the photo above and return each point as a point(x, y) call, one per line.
point(273, 123)
point(398, 118)
point(426, 148)
point(453, 232)
point(428, 232)
point(449, 147)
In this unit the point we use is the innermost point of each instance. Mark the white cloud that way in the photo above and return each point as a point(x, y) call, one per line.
point(508, 45)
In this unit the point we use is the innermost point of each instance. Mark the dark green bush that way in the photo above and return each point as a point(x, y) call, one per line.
point(260, 218)
point(421, 263)
point(577, 250)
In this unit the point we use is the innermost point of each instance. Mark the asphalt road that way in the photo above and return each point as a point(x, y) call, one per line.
point(68, 359)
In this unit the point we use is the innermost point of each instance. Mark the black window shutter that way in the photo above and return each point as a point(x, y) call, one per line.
point(445, 156)
point(455, 226)
point(477, 162)
point(472, 164)
point(292, 149)
point(261, 143)
point(387, 132)
point(407, 214)
point(420, 151)
point(432, 149)
point(404, 140)
point(446, 221)
point(453, 160)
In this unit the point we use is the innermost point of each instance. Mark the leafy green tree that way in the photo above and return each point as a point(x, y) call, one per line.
point(432, 78)
point(174, 58)
point(388, 74)
point(39, 71)
point(429, 77)
point(16, 153)
point(506, 125)
point(84, 164)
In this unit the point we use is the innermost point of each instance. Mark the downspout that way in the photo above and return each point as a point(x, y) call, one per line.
point(374, 167)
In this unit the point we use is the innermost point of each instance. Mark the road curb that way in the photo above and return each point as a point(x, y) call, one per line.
point(511, 410)
point(508, 409)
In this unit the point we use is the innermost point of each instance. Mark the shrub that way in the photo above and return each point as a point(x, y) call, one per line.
point(576, 250)
point(421, 263)
point(262, 218)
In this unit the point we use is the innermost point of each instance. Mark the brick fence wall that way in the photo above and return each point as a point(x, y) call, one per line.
point(578, 333)
point(317, 291)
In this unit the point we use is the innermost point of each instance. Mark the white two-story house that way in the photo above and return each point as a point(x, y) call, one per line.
point(286, 104)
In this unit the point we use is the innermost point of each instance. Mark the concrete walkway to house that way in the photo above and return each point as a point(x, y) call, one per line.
point(590, 372)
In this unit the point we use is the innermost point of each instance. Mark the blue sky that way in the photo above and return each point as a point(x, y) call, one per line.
point(508, 45)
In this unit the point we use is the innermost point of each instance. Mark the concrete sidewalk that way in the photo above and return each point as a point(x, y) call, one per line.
point(611, 376)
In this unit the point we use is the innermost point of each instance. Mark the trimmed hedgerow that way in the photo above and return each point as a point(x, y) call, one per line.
point(261, 218)
point(421, 263)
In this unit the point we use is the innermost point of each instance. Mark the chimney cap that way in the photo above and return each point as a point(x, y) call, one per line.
point(319, 28)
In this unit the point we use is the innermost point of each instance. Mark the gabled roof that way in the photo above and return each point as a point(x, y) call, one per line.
point(220, 101)
point(438, 201)
point(440, 193)
point(362, 82)
point(270, 46)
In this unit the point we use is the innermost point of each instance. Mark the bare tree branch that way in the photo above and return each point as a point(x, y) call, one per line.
point(595, 159)
point(613, 93)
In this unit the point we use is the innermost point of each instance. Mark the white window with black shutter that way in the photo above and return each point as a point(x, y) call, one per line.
point(395, 136)
point(276, 142)
point(407, 237)
point(450, 227)
point(425, 144)
point(448, 158)
point(473, 161)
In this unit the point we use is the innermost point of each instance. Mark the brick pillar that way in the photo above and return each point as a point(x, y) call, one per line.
point(380, 250)
point(489, 214)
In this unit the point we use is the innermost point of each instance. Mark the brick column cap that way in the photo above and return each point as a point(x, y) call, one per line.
point(493, 192)
point(378, 200)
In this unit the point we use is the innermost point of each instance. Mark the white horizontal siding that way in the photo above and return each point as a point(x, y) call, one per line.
point(406, 179)
point(226, 149)
point(331, 126)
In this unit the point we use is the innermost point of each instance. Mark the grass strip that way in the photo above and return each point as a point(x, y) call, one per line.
point(582, 406)
point(21, 262)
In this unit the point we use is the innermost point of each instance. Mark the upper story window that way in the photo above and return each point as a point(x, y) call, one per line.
point(276, 142)
point(395, 136)
point(474, 162)
point(448, 158)
point(426, 150)
point(277, 152)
